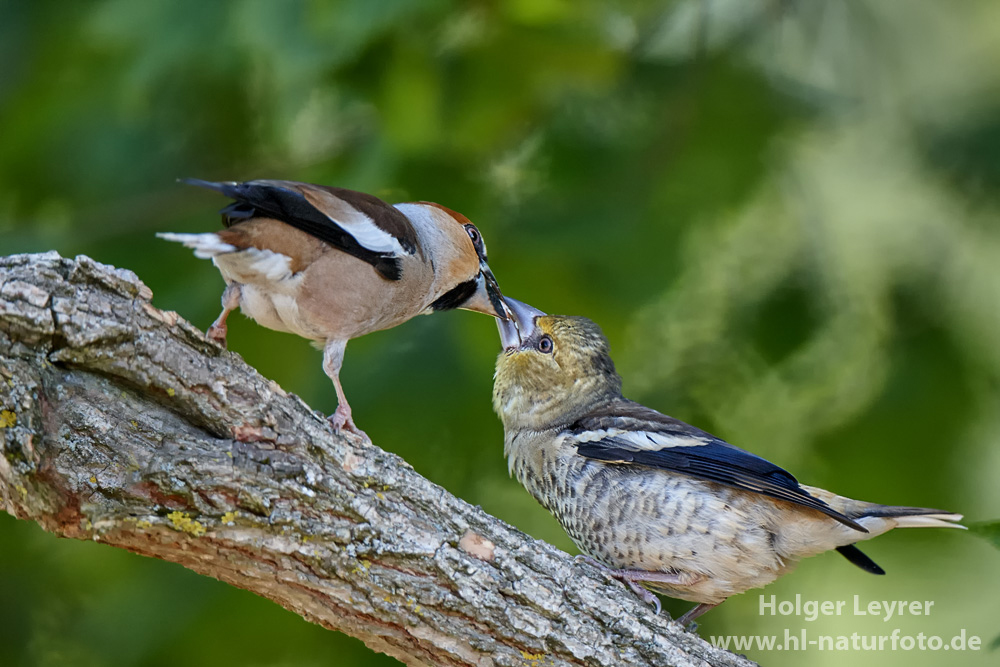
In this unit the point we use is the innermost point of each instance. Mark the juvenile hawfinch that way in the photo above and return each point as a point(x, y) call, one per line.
point(654, 502)
point(331, 264)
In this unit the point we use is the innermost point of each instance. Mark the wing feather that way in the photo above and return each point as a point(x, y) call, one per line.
point(629, 433)
point(356, 223)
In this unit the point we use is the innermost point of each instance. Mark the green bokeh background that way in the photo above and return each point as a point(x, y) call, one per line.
point(783, 214)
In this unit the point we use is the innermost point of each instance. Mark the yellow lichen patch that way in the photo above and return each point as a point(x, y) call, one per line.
point(93, 480)
point(170, 392)
point(143, 524)
point(229, 517)
point(7, 418)
point(185, 523)
point(361, 567)
point(537, 658)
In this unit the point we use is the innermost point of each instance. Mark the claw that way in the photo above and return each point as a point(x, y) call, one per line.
point(341, 420)
point(633, 579)
point(645, 595)
point(230, 301)
point(217, 334)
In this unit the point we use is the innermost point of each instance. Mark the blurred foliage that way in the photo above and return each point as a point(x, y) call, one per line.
point(783, 213)
point(988, 530)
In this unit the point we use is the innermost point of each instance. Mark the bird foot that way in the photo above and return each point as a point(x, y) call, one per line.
point(217, 334)
point(687, 620)
point(646, 596)
point(341, 420)
point(631, 578)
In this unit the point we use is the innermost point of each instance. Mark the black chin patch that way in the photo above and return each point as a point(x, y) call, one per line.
point(456, 296)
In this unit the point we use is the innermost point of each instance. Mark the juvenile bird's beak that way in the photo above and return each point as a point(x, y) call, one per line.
point(487, 298)
point(520, 326)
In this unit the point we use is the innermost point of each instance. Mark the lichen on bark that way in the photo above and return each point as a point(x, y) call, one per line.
point(121, 423)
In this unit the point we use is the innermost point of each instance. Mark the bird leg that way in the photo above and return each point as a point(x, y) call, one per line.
point(230, 300)
point(333, 359)
point(688, 618)
point(631, 578)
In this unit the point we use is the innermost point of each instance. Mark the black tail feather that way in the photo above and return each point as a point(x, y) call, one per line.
point(891, 511)
point(228, 189)
point(856, 556)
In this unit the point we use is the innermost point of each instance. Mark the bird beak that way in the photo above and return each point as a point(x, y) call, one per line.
point(520, 326)
point(487, 298)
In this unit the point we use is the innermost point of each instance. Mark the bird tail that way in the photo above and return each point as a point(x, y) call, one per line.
point(914, 517)
point(228, 188)
point(205, 246)
point(878, 519)
point(895, 516)
point(892, 516)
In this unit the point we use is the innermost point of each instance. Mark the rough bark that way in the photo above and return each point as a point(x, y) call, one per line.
point(121, 423)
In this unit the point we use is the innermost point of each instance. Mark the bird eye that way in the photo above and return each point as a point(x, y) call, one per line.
point(473, 234)
point(545, 344)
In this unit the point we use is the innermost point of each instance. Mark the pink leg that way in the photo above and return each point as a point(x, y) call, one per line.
point(333, 359)
point(230, 300)
point(688, 618)
point(631, 578)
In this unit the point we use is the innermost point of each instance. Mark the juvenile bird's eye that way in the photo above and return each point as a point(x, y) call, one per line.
point(545, 344)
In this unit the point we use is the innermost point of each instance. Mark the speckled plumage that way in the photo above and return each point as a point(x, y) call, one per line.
point(645, 493)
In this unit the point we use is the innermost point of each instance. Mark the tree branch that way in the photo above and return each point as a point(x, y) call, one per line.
point(121, 423)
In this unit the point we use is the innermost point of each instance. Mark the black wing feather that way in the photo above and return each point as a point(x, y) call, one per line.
point(257, 198)
point(715, 460)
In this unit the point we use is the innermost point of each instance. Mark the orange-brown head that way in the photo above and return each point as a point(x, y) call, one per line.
point(456, 250)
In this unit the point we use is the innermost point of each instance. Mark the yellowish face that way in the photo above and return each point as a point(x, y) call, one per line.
point(561, 368)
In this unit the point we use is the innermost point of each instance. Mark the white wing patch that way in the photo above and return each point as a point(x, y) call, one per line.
point(655, 440)
point(638, 440)
point(369, 235)
point(206, 246)
point(594, 436)
point(354, 222)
